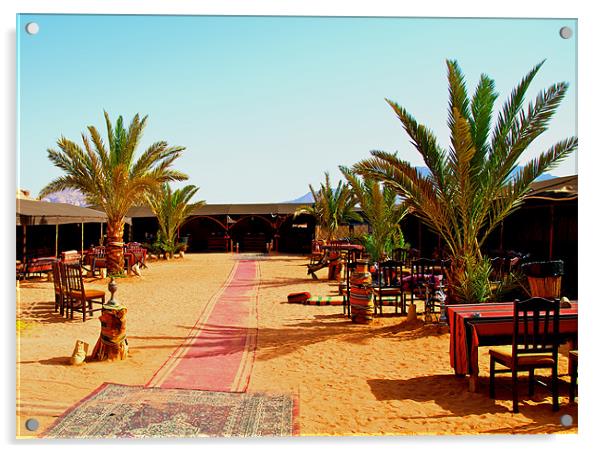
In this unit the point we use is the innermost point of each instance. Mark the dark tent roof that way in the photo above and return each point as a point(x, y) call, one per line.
point(562, 188)
point(228, 209)
point(34, 212)
point(557, 188)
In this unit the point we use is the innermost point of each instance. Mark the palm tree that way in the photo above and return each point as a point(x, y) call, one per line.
point(112, 178)
point(332, 207)
point(172, 207)
point(382, 211)
point(474, 185)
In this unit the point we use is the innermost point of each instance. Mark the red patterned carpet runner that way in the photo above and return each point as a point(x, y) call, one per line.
point(219, 353)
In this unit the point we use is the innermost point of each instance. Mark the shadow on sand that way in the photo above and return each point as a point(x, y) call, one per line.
point(451, 393)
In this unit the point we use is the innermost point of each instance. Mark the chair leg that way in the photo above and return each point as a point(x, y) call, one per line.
point(531, 382)
point(491, 377)
point(515, 391)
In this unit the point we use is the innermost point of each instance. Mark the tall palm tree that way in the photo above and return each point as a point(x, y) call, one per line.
point(113, 178)
point(332, 207)
point(475, 184)
point(380, 208)
point(172, 207)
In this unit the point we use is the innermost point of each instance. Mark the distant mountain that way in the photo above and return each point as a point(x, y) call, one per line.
point(304, 199)
point(69, 196)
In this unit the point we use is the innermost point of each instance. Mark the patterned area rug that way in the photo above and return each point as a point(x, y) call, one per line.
point(120, 411)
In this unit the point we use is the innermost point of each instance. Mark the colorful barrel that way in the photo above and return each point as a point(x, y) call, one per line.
point(360, 294)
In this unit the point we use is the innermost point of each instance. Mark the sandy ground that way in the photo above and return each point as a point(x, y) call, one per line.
point(391, 377)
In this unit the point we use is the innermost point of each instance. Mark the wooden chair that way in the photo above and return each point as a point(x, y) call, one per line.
point(534, 346)
point(436, 291)
point(421, 276)
point(390, 285)
point(573, 363)
point(401, 254)
point(59, 293)
point(138, 252)
point(99, 258)
point(79, 298)
point(350, 262)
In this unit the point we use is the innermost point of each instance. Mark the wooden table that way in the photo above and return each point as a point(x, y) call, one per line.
point(492, 325)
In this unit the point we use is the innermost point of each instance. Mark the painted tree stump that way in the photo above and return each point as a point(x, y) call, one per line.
point(112, 343)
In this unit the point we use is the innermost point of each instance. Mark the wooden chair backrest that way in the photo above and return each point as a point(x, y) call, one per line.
point(390, 274)
point(75, 280)
point(56, 277)
point(536, 325)
point(350, 262)
point(422, 267)
point(63, 272)
point(400, 254)
point(99, 252)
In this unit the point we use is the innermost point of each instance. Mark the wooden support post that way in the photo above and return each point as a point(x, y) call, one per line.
point(56, 241)
point(24, 227)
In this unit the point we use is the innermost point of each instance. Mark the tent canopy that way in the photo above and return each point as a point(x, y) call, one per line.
point(34, 212)
point(562, 188)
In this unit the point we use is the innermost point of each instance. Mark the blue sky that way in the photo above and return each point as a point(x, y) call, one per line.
point(265, 105)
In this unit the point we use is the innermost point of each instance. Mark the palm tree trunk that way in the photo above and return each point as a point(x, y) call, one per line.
point(115, 247)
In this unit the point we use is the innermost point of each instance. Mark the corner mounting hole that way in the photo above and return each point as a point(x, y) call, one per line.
point(32, 28)
point(32, 424)
point(566, 32)
point(566, 420)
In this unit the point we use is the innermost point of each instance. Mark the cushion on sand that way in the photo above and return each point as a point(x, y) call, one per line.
point(298, 298)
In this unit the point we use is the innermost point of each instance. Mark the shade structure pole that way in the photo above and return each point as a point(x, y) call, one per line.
point(551, 234)
point(100, 239)
point(24, 243)
point(56, 241)
point(82, 254)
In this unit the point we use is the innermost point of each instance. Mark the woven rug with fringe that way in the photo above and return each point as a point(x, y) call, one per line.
point(121, 411)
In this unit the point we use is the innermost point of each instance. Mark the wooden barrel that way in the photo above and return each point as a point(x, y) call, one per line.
point(548, 287)
point(361, 297)
point(545, 277)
